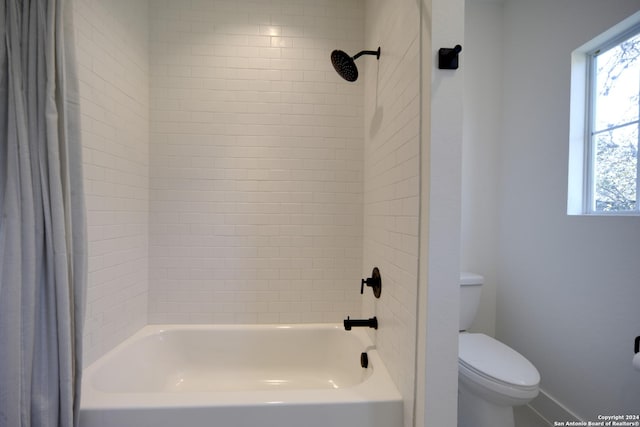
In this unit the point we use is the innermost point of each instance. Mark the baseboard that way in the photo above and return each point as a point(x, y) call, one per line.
point(550, 409)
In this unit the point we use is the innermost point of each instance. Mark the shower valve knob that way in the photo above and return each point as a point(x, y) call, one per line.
point(375, 282)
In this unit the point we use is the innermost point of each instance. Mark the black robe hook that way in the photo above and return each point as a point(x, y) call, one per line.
point(448, 58)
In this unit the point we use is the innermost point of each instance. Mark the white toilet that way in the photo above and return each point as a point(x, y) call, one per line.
point(492, 377)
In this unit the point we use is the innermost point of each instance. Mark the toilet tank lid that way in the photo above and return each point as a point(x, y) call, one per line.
point(471, 279)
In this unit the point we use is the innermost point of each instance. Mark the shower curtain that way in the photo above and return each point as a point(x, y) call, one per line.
point(42, 224)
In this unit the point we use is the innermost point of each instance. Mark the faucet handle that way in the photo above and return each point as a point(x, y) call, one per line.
point(375, 282)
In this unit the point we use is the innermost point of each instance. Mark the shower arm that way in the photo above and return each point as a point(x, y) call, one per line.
point(367, 52)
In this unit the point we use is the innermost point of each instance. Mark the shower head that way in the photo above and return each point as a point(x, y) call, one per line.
point(346, 65)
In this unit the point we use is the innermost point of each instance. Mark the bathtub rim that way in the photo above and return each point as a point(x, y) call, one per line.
point(377, 387)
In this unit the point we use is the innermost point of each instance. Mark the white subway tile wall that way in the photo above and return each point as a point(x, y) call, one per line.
point(112, 53)
point(256, 151)
point(391, 183)
point(247, 200)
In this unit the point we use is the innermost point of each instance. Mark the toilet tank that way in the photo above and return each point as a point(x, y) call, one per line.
point(470, 290)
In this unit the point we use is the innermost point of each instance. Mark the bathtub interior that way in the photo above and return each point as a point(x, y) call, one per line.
point(180, 359)
point(240, 375)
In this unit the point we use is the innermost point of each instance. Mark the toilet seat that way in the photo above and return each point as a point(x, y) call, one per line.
point(491, 364)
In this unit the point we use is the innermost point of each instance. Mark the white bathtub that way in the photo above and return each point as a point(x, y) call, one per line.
point(237, 376)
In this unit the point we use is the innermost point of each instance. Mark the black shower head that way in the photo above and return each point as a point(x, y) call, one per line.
point(346, 65)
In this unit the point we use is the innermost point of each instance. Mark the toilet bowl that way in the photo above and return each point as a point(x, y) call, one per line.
point(492, 377)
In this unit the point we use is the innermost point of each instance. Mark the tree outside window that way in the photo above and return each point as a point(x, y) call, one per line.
point(615, 111)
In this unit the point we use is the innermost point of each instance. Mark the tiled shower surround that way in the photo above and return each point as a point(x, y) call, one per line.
point(391, 182)
point(256, 162)
point(113, 71)
point(233, 177)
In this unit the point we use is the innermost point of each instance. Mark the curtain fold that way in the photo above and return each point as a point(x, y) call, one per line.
point(42, 220)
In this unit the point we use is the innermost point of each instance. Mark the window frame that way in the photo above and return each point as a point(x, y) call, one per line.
point(591, 131)
point(581, 177)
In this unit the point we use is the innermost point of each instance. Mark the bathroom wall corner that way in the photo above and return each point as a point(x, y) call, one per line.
point(113, 71)
point(391, 183)
point(442, 114)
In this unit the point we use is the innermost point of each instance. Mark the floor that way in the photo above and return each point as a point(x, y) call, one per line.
point(527, 417)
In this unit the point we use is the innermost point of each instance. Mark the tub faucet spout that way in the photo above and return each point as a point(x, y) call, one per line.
point(370, 323)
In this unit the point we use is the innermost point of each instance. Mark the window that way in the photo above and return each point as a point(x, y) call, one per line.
point(613, 118)
point(605, 168)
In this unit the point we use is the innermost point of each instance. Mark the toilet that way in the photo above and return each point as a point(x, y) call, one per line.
point(492, 377)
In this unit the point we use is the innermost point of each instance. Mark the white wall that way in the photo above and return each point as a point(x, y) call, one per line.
point(256, 162)
point(112, 48)
point(482, 130)
point(567, 287)
point(439, 298)
point(391, 182)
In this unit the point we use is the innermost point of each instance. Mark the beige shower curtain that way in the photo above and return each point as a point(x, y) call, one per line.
point(42, 221)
